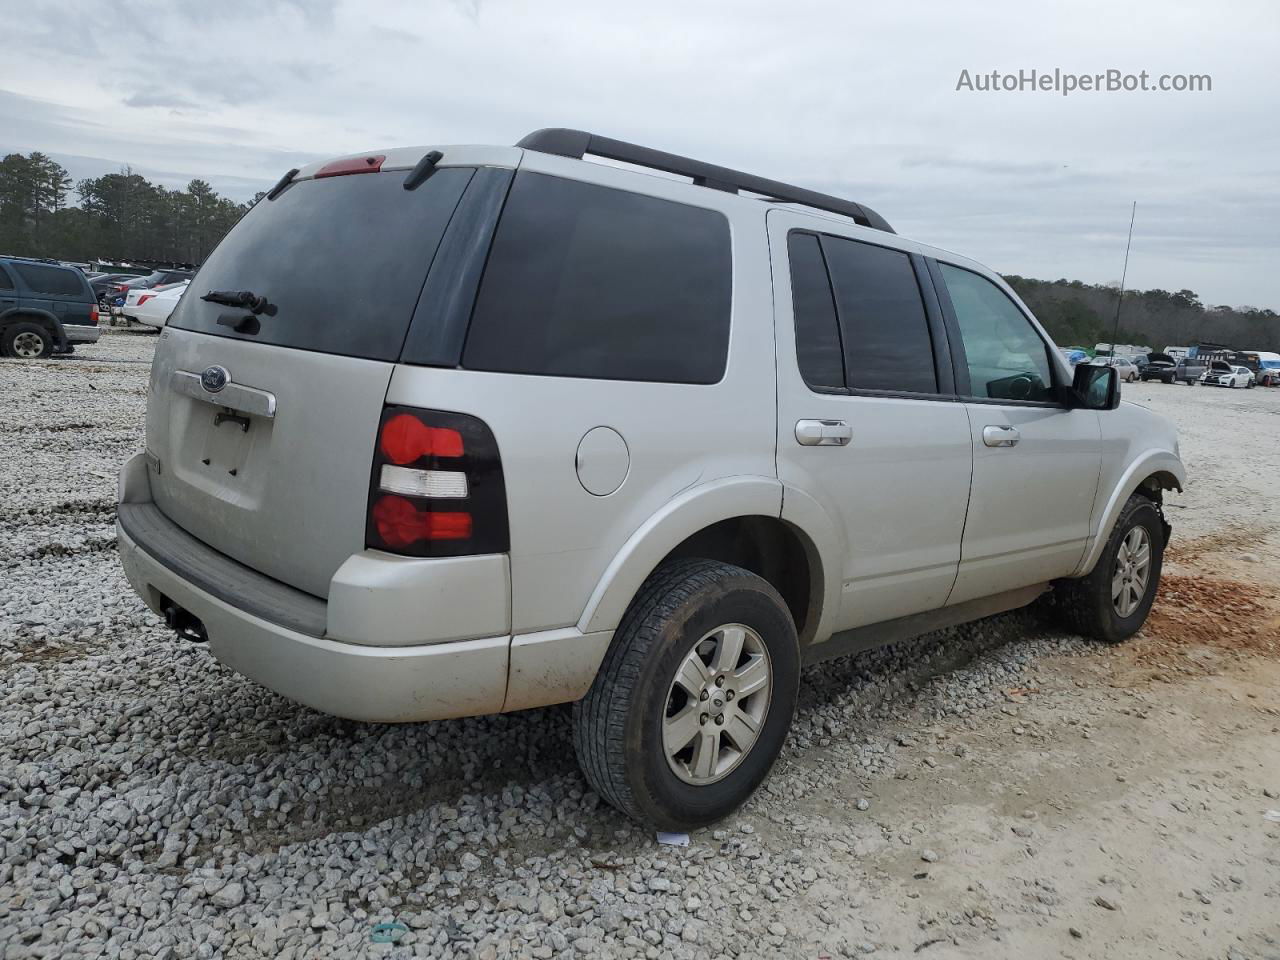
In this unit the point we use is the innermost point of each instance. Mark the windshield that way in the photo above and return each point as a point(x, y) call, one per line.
point(341, 261)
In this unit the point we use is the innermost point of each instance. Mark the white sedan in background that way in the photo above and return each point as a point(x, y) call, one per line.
point(152, 307)
point(1226, 375)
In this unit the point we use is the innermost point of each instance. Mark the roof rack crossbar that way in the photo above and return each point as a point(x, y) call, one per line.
point(576, 144)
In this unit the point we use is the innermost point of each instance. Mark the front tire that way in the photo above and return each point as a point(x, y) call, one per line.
point(1111, 603)
point(694, 699)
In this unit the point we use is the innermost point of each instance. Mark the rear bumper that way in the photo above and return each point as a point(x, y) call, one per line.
point(379, 684)
point(81, 333)
point(285, 639)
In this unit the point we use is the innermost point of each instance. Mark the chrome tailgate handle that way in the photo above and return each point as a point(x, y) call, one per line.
point(233, 396)
point(998, 435)
point(823, 433)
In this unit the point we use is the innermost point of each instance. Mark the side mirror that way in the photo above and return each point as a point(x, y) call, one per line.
point(1095, 388)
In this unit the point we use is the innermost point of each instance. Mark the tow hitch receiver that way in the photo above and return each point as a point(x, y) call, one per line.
point(184, 624)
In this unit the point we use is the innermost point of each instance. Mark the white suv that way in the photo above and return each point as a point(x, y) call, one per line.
point(479, 429)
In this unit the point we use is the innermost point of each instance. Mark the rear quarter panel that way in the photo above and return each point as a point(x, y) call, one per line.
point(679, 437)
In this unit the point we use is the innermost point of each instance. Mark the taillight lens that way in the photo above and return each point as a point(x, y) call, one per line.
point(436, 489)
point(93, 315)
point(144, 298)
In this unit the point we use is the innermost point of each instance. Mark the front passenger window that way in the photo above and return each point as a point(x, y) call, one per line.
point(1006, 357)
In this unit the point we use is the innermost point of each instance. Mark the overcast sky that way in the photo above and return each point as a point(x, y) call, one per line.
point(858, 99)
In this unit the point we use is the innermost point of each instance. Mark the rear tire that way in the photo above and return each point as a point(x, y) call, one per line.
point(1092, 605)
point(26, 341)
point(627, 727)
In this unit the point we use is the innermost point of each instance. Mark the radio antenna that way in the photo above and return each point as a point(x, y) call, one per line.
point(1115, 332)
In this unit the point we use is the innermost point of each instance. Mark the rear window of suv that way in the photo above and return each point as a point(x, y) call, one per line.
point(53, 281)
point(589, 281)
point(342, 260)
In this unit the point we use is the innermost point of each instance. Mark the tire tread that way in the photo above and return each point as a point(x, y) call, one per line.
point(599, 718)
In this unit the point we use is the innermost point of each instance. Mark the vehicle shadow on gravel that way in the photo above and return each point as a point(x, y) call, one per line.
point(322, 775)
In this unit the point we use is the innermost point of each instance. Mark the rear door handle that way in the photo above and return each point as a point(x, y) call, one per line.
point(1000, 436)
point(823, 433)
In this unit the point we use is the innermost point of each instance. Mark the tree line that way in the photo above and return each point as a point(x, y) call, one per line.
point(123, 216)
point(118, 217)
point(1083, 314)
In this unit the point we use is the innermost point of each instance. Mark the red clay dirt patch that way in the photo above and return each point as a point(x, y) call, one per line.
point(1227, 615)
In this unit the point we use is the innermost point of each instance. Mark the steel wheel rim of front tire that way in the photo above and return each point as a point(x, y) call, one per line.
point(27, 345)
point(717, 704)
point(1132, 572)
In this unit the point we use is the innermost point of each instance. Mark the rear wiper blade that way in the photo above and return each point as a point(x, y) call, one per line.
point(246, 299)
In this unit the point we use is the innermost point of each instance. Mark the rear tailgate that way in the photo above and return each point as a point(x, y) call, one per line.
point(268, 459)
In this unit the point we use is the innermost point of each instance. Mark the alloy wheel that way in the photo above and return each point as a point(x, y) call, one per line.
point(717, 704)
point(1132, 571)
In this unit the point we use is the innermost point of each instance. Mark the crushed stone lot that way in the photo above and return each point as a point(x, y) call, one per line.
point(998, 790)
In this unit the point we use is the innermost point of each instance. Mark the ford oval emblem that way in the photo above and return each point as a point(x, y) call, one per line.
point(214, 378)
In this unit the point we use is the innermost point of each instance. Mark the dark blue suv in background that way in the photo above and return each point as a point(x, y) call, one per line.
point(45, 308)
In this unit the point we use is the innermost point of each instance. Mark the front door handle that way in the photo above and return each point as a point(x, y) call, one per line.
point(823, 433)
point(1000, 436)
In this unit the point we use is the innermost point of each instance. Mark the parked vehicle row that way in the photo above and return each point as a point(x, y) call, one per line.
point(117, 291)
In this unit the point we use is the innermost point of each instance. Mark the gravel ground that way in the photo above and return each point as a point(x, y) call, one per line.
point(154, 804)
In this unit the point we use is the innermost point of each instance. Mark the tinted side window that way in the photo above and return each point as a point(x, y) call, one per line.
point(55, 281)
point(818, 351)
point(588, 281)
point(1007, 359)
point(5, 282)
point(882, 320)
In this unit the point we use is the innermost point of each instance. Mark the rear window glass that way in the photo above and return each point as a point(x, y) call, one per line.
point(54, 281)
point(588, 281)
point(5, 282)
point(818, 351)
point(885, 330)
point(341, 259)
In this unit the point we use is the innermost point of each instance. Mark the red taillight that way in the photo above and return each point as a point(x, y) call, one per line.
point(342, 168)
point(400, 523)
point(436, 488)
point(405, 439)
point(144, 298)
point(93, 315)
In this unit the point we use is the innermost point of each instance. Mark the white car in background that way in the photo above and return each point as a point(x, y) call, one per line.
point(1222, 374)
point(152, 307)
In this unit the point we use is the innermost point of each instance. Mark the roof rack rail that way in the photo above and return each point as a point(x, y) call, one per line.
point(578, 143)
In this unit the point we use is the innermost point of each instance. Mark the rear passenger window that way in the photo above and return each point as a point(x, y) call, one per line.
point(588, 281)
point(882, 319)
point(818, 351)
point(54, 281)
